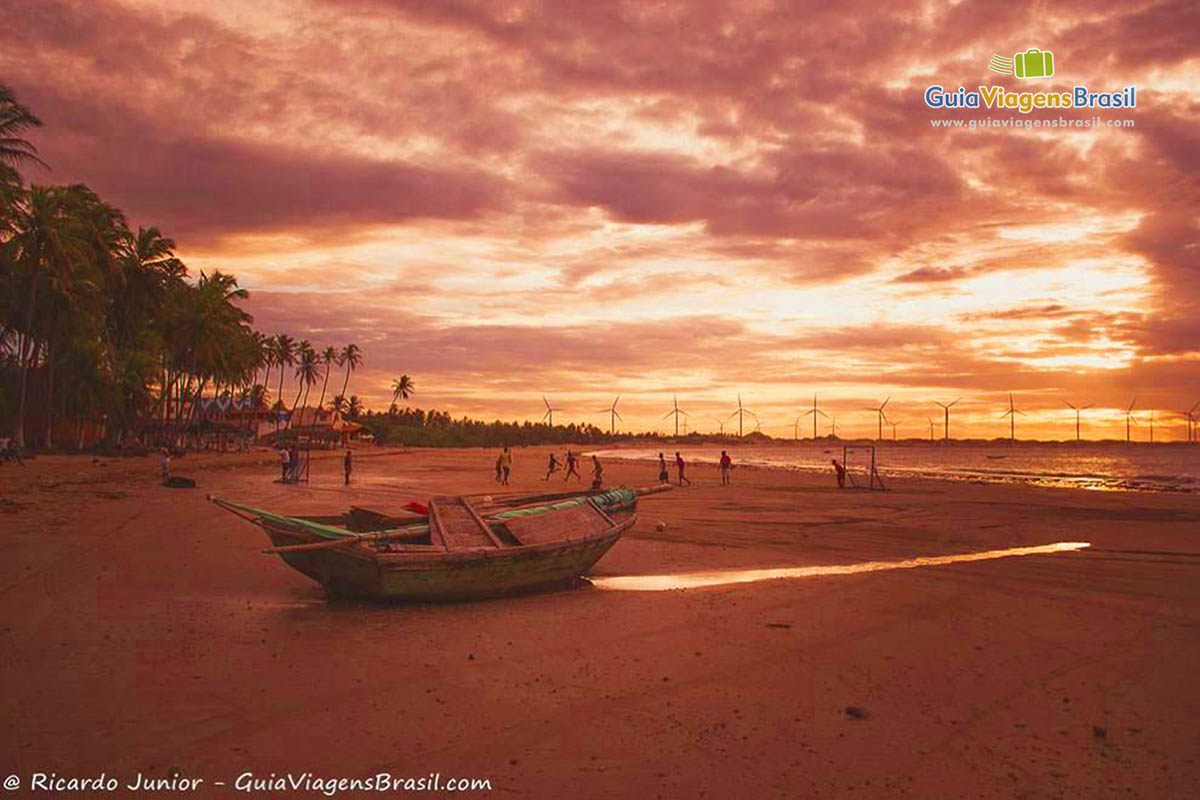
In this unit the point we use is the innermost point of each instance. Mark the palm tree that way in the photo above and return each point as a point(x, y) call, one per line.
point(48, 244)
point(306, 371)
point(15, 119)
point(402, 387)
point(15, 150)
point(285, 356)
point(351, 358)
point(328, 356)
point(354, 408)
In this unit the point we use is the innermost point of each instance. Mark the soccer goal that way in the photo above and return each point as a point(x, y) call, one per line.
point(862, 468)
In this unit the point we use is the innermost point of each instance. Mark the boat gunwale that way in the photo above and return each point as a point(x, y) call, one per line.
point(362, 549)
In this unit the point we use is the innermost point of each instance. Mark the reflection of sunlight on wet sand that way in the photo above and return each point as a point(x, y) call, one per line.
point(697, 580)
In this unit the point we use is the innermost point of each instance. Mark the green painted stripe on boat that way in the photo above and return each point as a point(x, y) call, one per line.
point(612, 498)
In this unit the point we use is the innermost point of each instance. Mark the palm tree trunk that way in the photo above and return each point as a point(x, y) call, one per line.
point(23, 384)
point(346, 382)
point(279, 398)
point(322, 400)
point(49, 407)
point(296, 402)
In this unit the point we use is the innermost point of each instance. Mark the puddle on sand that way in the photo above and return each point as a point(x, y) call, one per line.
point(698, 580)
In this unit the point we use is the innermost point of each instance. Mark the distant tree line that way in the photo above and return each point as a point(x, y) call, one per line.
point(416, 427)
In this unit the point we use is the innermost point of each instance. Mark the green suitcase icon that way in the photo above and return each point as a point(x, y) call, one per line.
point(1034, 63)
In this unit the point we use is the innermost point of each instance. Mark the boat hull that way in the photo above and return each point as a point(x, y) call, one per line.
point(358, 571)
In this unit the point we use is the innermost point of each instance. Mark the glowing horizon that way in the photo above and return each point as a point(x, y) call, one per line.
point(505, 200)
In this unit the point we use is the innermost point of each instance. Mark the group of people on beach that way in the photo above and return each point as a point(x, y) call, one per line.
point(569, 465)
point(725, 465)
point(504, 464)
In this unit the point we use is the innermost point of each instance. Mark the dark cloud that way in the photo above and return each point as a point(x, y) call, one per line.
point(781, 144)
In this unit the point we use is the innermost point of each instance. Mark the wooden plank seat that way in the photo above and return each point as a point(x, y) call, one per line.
point(456, 525)
point(574, 524)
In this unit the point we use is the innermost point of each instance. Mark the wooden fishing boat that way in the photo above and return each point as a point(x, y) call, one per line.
point(458, 548)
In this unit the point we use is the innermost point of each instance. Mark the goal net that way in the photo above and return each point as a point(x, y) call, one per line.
point(862, 468)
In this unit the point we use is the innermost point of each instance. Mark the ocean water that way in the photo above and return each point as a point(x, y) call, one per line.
point(1103, 466)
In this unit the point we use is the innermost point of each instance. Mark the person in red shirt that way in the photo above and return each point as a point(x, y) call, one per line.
point(726, 468)
point(679, 467)
point(841, 474)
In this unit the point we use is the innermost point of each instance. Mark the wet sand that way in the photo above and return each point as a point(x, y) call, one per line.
point(144, 631)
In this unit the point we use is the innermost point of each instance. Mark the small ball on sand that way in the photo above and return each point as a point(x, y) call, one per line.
point(660, 527)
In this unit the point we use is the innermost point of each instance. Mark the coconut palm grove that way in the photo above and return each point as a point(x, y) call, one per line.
point(107, 339)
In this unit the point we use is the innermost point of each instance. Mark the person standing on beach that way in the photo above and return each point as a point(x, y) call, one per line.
point(726, 468)
point(679, 467)
point(551, 467)
point(499, 468)
point(663, 476)
point(348, 465)
point(572, 467)
point(166, 465)
point(505, 464)
point(597, 473)
point(841, 474)
point(285, 458)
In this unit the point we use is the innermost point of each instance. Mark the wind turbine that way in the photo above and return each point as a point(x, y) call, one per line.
point(1012, 418)
point(882, 416)
point(739, 412)
point(1129, 420)
point(1191, 421)
point(815, 413)
point(721, 423)
point(930, 428)
point(894, 426)
point(833, 427)
point(549, 415)
point(1078, 411)
point(613, 416)
point(1151, 427)
point(946, 426)
point(676, 412)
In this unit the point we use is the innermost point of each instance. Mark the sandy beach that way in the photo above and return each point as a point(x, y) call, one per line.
point(145, 632)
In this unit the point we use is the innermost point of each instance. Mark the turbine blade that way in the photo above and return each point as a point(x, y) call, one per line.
point(822, 413)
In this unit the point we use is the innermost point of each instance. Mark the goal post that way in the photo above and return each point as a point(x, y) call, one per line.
point(862, 467)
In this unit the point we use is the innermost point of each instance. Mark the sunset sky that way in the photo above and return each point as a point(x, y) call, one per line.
point(578, 199)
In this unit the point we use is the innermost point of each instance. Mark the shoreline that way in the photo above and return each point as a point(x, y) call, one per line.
point(893, 475)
